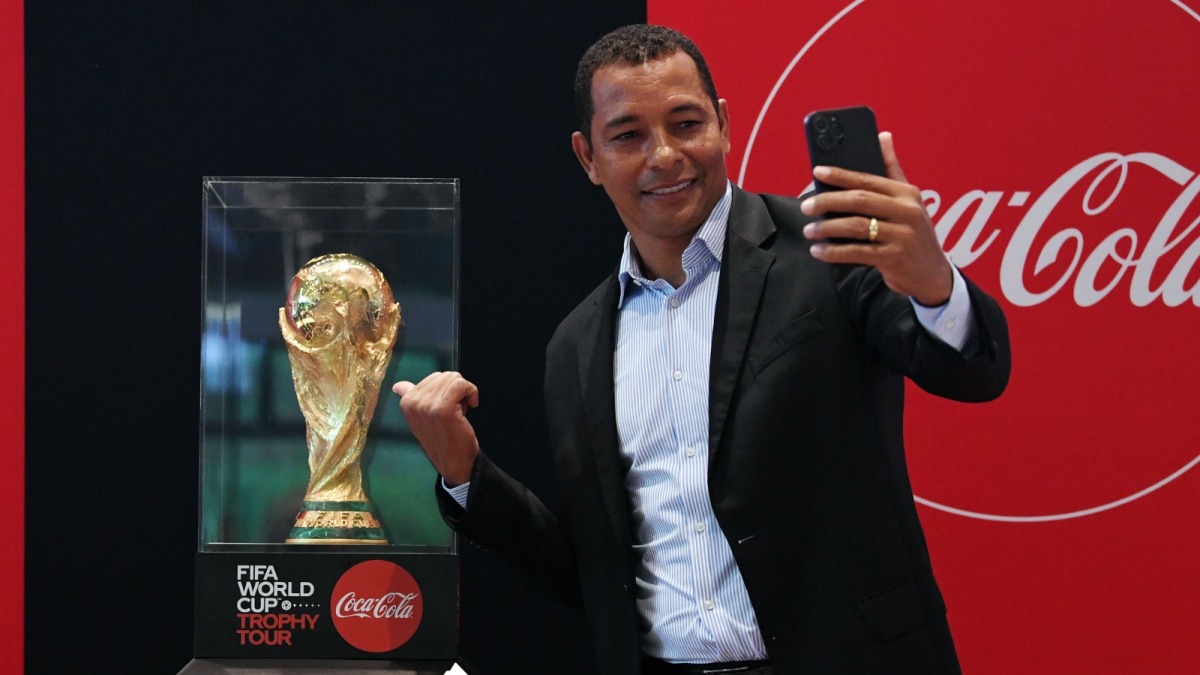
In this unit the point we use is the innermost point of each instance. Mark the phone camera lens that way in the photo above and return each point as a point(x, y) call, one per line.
point(824, 142)
point(838, 132)
point(820, 124)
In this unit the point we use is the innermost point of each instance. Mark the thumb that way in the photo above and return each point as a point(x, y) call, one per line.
point(403, 387)
point(887, 145)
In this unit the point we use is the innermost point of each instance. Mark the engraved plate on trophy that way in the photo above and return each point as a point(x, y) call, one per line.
point(340, 324)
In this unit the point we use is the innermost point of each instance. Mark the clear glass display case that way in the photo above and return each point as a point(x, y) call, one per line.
point(269, 418)
point(258, 232)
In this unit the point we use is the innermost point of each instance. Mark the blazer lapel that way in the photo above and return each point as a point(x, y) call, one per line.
point(599, 406)
point(743, 275)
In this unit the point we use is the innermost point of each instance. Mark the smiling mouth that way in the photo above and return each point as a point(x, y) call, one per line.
point(660, 192)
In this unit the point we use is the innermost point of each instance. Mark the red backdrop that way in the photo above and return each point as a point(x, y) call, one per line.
point(12, 333)
point(1056, 147)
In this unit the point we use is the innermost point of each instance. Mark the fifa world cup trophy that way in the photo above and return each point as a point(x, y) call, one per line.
point(340, 324)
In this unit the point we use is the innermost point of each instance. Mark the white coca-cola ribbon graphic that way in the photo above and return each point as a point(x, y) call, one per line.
point(1086, 294)
point(1060, 516)
point(388, 606)
point(1121, 247)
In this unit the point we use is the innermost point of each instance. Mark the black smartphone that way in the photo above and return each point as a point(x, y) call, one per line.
point(847, 138)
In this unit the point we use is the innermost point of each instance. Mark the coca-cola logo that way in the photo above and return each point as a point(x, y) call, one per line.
point(387, 606)
point(377, 606)
point(1060, 168)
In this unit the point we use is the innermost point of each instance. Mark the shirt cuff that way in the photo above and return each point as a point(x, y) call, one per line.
point(458, 493)
point(951, 323)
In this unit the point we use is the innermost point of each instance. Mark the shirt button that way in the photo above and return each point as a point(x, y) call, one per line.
point(678, 375)
point(674, 302)
point(690, 452)
point(699, 527)
point(709, 604)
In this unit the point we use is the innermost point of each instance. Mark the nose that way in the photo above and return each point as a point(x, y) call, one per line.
point(663, 152)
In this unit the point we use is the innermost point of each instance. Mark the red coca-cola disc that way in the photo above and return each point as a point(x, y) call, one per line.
point(376, 606)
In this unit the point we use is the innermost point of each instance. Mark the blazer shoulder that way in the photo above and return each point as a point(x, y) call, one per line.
point(758, 217)
point(785, 211)
point(581, 319)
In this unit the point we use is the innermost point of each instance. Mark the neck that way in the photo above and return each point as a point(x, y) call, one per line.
point(663, 258)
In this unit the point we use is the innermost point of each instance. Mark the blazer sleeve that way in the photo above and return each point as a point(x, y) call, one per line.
point(504, 517)
point(889, 324)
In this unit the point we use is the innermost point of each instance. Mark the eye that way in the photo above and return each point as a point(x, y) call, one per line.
point(625, 136)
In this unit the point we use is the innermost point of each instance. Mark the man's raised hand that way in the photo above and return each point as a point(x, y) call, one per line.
point(891, 230)
point(436, 411)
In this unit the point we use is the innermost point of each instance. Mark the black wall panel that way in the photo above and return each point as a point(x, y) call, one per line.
point(128, 105)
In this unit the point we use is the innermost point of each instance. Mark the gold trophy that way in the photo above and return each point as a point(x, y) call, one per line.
point(340, 324)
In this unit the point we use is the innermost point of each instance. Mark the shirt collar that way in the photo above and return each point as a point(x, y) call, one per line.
point(707, 244)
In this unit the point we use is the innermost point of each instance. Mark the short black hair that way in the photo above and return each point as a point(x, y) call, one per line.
point(632, 45)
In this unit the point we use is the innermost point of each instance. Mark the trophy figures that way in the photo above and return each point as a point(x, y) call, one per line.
point(340, 323)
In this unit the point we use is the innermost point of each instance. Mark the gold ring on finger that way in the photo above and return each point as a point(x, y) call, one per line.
point(873, 230)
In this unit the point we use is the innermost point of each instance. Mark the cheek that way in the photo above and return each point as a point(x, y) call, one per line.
point(716, 158)
point(620, 195)
point(708, 150)
point(620, 175)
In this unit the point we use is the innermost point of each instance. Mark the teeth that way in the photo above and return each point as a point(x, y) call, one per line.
point(667, 191)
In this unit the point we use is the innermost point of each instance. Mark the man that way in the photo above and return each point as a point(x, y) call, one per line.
point(726, 410)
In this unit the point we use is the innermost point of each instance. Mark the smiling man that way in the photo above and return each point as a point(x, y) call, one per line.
point(656, 142)
point(726, 411)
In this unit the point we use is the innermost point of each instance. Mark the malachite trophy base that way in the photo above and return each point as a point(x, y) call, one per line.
point(337, 523)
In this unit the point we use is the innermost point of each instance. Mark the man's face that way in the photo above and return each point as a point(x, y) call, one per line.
point(658, 148)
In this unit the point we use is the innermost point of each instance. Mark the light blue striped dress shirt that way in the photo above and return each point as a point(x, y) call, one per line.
point(690, 595)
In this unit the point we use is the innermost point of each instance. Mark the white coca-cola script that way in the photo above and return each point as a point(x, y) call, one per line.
point(389, 606)
point(1100, 260)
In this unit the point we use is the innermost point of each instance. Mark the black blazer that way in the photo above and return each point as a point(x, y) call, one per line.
point(807, 474)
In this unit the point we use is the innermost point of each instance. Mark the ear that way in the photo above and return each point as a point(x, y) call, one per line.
point(723, 121)
point(583, 152)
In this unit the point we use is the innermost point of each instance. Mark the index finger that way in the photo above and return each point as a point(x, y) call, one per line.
point(857, 180)
point(466, 393)
point(402, 387)
point(452, 386)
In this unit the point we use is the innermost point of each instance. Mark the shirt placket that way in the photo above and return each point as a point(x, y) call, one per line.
point(688, 394)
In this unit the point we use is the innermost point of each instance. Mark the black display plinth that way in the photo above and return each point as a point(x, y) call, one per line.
point(339, 605)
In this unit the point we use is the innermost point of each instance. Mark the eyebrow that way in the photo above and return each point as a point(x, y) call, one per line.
point(626, 119)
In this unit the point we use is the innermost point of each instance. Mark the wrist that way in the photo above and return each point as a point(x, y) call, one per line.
point(939, 296)
point(458, 475)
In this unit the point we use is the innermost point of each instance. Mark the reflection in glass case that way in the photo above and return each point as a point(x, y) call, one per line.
point(269, 457)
